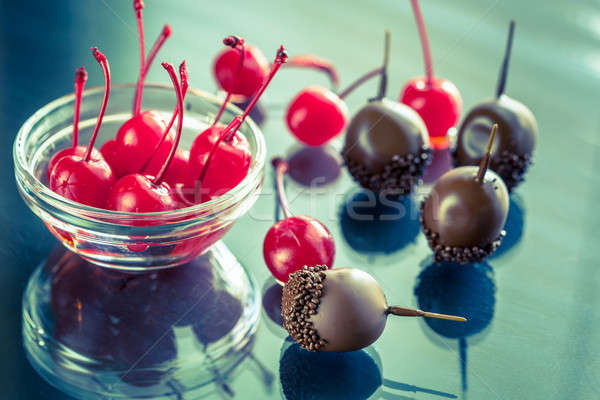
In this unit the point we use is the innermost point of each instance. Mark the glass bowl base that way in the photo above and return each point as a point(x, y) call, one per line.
point(96, 333)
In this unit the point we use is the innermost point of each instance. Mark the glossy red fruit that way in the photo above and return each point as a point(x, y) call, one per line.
point(71, 151)
point(294, 242)
point(137, 193)
point(254, 71)
point(146, 193)
point(229, 165)
point(316, 115)
point(137, 141)
point(437, 102)
point(81, 178)
point(85, 182)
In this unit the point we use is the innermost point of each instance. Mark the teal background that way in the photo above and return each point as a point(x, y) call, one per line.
point(543, 340)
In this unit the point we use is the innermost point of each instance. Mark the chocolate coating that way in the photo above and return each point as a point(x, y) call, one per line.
point(350, 311)
point(515, 139)
point(463, 213)
point(386, 147)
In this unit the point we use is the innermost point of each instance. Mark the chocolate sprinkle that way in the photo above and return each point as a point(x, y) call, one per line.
point(400, 175)
point(461, 255)
point(300, 300)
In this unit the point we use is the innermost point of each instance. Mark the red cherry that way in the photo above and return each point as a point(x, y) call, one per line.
point(316, 115)
point(81, 178)
point(254, 71)
point(297, 241)
point(220, 157)
point(229, 165)
point(147, 193)
point(75, 150)
point(436, 100)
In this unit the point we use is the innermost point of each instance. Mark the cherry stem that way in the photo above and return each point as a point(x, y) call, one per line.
point(281, 168)
point(106, 69)
point(384, 68)
point(235, 42)
point(184, 88)
point(160, 40)
point(173, 75)
point(413, 312)
point(139, 88)
point(233, 126)
point(360, 81)
point(485, 161)
point(81, 77)
point(138, 6)
point(424, 40)
point(504, 69)
point(315, 62)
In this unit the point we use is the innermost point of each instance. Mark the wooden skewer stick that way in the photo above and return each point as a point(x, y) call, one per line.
point(485, 161)
point(412, 312)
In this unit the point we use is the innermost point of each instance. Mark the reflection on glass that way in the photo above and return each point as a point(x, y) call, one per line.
point(514, 226)
point(157, 333)
point(467, 290)
point(355, 375)
point(375, 223)
point(314, 166)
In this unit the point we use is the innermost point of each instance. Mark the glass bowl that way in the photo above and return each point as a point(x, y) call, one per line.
point(133, 241)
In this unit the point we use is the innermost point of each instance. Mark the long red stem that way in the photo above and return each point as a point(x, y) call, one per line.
point(281, 168)
point(81, 77)
point(106, 69)
point(234, 125)
point(185, 84)
point(138, 6)
point(171, 70)
point(236, 43)
point(139, 88)
point(314, 62)
point(424, 39)
point(160, 40)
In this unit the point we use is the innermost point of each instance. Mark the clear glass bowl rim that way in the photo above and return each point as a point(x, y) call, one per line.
point(238, 193)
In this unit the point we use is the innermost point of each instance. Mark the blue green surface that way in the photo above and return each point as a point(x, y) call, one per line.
point(542, 339)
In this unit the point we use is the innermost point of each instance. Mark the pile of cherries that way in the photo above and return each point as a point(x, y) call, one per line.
point(142, 169)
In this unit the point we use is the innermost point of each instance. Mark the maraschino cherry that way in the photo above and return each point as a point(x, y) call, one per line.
point(316, 115)
point(138, 138)
point(221, 157)
point(84, 179)
point(295, 241)
point(246, 82)
point(436, 100)
point(147, 193)
point(81, 77)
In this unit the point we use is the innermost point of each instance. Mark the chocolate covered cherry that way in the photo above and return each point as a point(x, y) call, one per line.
point(342, 309)
point(387, 147)
point(517, 132)
point(463, 217)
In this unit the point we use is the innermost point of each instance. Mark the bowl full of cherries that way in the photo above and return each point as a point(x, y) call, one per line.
point(135, 185)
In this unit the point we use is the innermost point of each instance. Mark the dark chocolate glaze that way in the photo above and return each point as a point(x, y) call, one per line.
point(515, 139)
point(350, 314)
point(465, 213)
point(386, 146)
